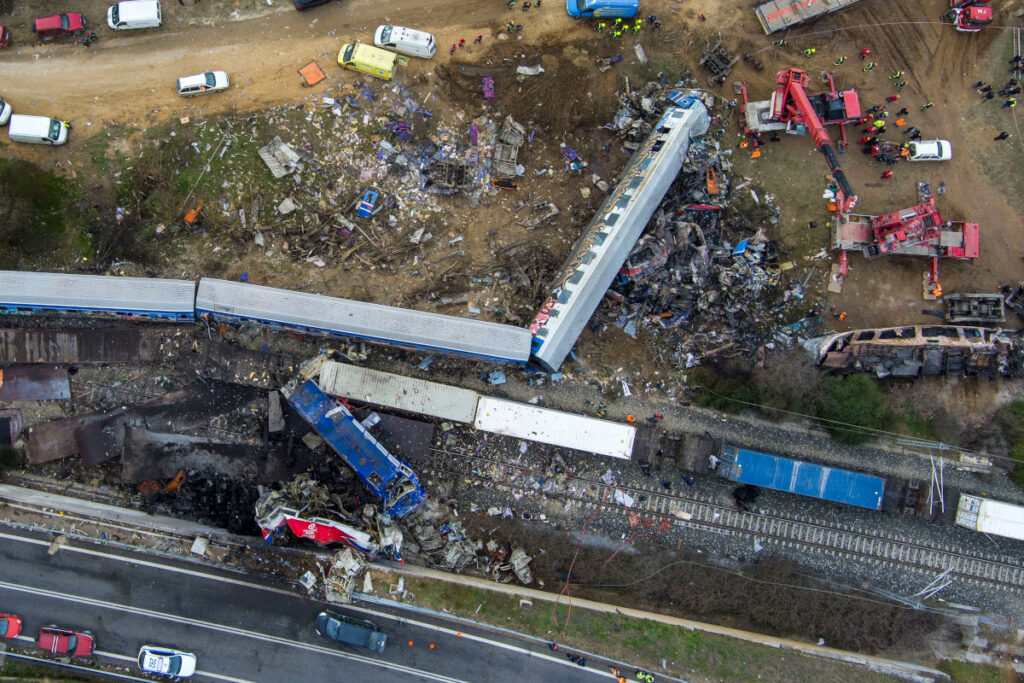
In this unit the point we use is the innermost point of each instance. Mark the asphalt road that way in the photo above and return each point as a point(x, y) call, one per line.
point(243, 631)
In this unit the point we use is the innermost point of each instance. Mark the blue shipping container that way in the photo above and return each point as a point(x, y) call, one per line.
point(803, 478)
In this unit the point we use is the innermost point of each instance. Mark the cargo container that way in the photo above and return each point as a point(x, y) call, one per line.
point(525, 421)
point(401, 393)
point(991, 516)
point(782, 14)
point(802, 478)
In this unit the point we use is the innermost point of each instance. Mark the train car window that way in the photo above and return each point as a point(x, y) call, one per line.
point(908, 333)
point(971, 333)
point(864, 336)
point(887, 334)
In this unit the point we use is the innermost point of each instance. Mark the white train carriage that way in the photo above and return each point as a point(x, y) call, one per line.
point(123, 297)
point(317, 314)
point(599, 253)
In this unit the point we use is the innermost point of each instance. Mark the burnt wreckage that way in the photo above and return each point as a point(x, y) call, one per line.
point(922, 350)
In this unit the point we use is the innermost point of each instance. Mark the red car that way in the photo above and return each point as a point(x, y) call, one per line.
point(61, 641)
point(5, 36)
point(10, 626)
point(59, 25)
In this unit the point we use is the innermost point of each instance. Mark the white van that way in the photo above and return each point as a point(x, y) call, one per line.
point(134, 14)
point(405, 41)
point(5, 113)
point(39, 130)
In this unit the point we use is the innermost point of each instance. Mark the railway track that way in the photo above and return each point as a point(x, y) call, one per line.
point(790, 532)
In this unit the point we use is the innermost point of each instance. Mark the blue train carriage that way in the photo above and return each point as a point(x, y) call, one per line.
point(132, 298)
point(803, 478)
point(389, 478)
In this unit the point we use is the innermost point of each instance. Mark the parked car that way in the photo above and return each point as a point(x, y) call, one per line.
point(59, 25)
point(10, 626)
point(930, 150)
point(5, 36)
point(306, 4)
point(166, 661)
point(359, 632)
point(62, 641)
point(5, 113)
point(201, 84)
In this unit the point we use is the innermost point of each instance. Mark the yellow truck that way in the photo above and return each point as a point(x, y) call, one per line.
point(368, 60)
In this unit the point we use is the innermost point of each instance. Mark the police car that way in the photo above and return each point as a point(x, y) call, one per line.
point(166, 662)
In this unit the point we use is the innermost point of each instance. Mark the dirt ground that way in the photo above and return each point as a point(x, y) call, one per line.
point(261, 45)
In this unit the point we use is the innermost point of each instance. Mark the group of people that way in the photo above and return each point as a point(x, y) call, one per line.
point(1009, 90)
point(641, 675)
point(619, 26)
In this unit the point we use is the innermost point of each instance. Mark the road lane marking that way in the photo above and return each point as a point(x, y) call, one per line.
point(281, 591)
point(117, 607)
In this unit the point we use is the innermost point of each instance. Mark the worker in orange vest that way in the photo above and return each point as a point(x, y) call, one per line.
point(630, 418)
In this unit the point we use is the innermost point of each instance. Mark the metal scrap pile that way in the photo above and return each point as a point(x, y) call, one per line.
point(700, 270)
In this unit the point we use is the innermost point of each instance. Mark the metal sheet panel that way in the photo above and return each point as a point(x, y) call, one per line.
point(803, 478)
point(373, 322)
point(86, 293)
point(402, 393)
point(34, 383)
point(554, 427)
point(83, 346)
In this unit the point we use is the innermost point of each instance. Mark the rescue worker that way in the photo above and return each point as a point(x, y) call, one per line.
point(892, 98)
point(879, 125)
point(637, 25)
point(510, 27)
point(895, 75)
point(809, 52)
point(900, 122)
point(618, 22)
point(479, 39)
point(519, 27)
point(452, 50)
point(1001, 136)
point(839, 61)
point(462, 42)
point(600, 27)
point(885, 176)
point(876, 108)
point(901, 85)
point(869, 66)
point(780, 43)
point(526, 5)
point(1011, 103)
point(863, 140)
point(927, 105)
point(652, 18)
point(616, 34)
point(656, 25)
point(903, 112)
point(510, 4)
point(842, 316)
point(865, 53)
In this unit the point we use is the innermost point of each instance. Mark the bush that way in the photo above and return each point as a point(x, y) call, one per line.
point(730, 394)
point(33, 211)
point(856, 406)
